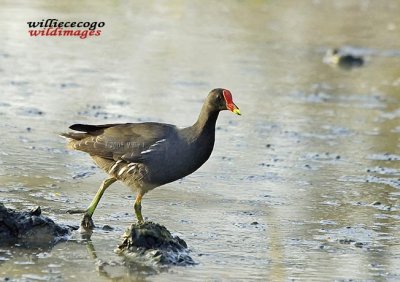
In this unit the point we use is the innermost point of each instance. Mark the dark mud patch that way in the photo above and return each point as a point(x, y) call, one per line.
point(327, 133)
point(390, 181)
point(269, 176)
point(251, 226)
point(98, 111)
point(344, 100)
point(152, 244)
point(82, 174)
point(384, 170)
point(384, 157)
point(358, 236)
point(81, 171)
point(321, 157)
point(30, 112)
point(65, 85)
point(379, 206)
point(119, 103)
point(30, 228)
point(315, 161)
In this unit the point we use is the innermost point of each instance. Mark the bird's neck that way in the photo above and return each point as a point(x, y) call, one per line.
point(206, 121)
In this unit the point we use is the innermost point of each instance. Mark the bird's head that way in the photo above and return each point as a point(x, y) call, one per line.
point(332, 56)
point(221, 99)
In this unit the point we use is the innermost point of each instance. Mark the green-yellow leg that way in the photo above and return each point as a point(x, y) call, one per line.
point(87, 221)
point(138, 208)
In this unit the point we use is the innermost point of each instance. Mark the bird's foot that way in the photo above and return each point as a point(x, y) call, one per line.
point(87, 222)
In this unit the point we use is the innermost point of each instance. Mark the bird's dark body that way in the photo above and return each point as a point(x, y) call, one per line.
point(350, 61)
point(143, 155)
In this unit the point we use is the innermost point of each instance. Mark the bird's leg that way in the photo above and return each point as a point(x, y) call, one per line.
point(87, 222)
point(106, 183)
point(138, 208)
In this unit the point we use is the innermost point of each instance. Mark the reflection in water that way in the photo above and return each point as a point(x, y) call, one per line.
point(304, 186)
point(120, 268)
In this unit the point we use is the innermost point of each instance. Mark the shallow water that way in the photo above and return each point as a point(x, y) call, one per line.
point(303, 186)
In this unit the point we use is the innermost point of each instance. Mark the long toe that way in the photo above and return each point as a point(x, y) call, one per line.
point(74, 211)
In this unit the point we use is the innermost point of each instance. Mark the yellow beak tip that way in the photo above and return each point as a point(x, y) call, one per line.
point(236, 111)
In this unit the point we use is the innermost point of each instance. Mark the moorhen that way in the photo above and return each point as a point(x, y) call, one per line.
point(147, 155)
point(338, 58)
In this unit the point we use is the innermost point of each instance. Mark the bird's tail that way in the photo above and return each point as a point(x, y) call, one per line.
point(72, 137)
point(87, 130)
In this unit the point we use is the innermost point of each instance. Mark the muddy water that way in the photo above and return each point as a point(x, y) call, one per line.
point(304, 186)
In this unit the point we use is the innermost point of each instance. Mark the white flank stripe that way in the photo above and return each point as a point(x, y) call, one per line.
point(114, 166)
point(132, 168)
point(158, 142)
point(121, 171)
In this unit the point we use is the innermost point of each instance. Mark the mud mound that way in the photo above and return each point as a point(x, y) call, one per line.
point(29, 228)
point(153, 243)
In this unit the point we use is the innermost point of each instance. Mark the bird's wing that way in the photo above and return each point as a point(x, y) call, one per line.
point(131, 142)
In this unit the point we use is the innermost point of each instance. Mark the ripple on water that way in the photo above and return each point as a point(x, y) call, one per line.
point(393, 182)
point(375, 101)
point(384, 157)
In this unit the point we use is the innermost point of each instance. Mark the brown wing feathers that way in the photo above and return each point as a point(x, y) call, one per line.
point(116, 141)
